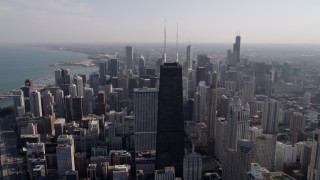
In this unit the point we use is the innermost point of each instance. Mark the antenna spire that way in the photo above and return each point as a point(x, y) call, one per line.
point(165, 40)
point(177, 54)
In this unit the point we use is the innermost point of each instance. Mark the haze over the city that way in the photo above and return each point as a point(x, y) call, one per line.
point(207, 21)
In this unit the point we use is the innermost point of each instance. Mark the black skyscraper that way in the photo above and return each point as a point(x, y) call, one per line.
point(170, 129)
point(113, 67)
point(236, 48)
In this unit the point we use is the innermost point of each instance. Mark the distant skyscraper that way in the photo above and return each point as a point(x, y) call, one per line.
point(103, 68)
point(236, 48)
point(58, 76)
point(113, 67)
point(189, 57)
point(202, 60)
point(170, 128)
point(212, 116)
point(94, 82)
point(129, 57)
point(201, 75)
point(48, 103)
point(77, 111)
point(65, 154)
point(101, 103)
point(35, 103)
point(73, 90)
point(88, 101)
point(78, 81)
point(142, 68)
point(203, 90)
point(59, 97)
point(114, 101)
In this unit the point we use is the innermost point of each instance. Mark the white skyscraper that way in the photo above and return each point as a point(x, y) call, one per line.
point(65, 154)
point(238, 124)
point(48, 103)
point(35, 103)
point(18, 101)
point(285, 154)
point(73, 90)
point(78, 81)
point(145, 114)
point(270, 116)
point(189, 57)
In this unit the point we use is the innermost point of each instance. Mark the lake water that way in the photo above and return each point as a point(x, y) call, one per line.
point(20, 62)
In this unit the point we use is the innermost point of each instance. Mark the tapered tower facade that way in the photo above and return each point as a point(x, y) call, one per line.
point(170, 125)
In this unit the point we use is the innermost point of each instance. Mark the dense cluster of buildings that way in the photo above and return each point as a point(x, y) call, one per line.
point(202, 118)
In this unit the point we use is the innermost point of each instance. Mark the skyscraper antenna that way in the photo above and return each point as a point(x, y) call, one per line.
point(165, 41)
point(177, 54)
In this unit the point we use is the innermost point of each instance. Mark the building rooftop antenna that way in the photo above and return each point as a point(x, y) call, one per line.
point(177, 54)
point(165, 41)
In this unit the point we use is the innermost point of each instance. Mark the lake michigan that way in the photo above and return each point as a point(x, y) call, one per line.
point(21, 62)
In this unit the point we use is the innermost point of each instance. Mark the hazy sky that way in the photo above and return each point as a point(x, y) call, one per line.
point(131, 21)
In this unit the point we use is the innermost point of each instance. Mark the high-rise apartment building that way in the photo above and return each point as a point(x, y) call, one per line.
point(59, 100)
point(145, 115)
point(47, 103)
point(238, 122)
point(170, 126)
point(270, 117)
point(18, 101)
point(78, 81)
point(88, 101)
point(65, 154)
point(265, 150)
point(73, 90)
point(35, 103)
